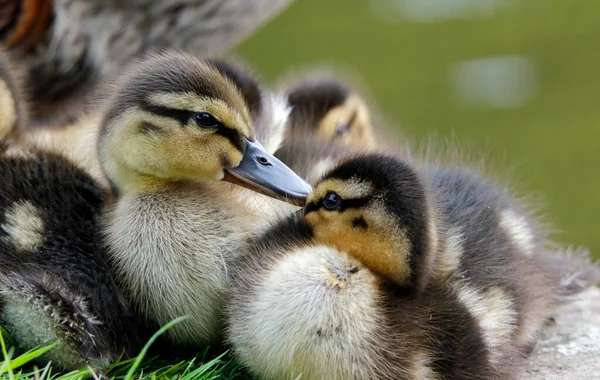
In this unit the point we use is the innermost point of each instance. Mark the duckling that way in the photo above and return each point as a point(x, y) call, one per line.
point(77, 138)
point(328, 108)
point(175, 128)
point(68, 47)
point(395, 270)
point(55, 281)
point(321, 102)
point(13, 114)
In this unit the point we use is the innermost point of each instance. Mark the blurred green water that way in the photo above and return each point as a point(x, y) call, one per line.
point(552, 140)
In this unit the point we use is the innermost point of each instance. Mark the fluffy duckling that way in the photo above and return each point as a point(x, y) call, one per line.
point(394, 271)
point(174, 130)
point(329, 109)
point(13, 114)
point(77, 138)
point(328, 122)
point(55, 281)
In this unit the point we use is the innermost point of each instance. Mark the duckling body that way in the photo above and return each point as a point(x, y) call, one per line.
point(301, 308)
point(398, 270)
point(176, 127)
point(55, 282)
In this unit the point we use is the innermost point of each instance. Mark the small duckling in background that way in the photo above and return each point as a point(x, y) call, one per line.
point(328, 121)
point(329, 109)
point(175, 128)
point(399, 271)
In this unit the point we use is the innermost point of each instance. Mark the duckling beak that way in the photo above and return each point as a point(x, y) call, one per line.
point(262, 172)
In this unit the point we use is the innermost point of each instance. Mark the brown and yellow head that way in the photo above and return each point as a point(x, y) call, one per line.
point(377, 209)
point(175, 117)
point(330, 110)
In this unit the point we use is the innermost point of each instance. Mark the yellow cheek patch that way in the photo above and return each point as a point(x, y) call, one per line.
point(381, 246)
point(200, 157)
point(353, 111)
point(326, 129)
point(361, 130)
point(173, 153)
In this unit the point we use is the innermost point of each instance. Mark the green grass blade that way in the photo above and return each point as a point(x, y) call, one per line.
point(31, 355)
point(8, 338)
point(140, 357)
point(6, 363)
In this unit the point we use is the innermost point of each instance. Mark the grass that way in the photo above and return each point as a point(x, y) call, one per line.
point(203, 366)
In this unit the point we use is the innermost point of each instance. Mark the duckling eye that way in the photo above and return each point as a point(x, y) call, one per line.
point(206, 120)
point(332, 201)
point(341, 129)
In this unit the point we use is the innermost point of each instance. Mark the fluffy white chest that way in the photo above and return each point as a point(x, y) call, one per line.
point(172, 251)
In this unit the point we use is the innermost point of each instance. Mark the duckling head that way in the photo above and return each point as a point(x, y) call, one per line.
point(175, 117)
point(377, 209)
point(331, 111)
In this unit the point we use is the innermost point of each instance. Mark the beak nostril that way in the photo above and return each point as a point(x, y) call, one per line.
point(263, 160)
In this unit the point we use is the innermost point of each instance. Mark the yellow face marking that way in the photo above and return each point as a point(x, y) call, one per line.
point(360, 130)
point(347, 189)
point(381, 246)
point(8, 115)
point(142, 161)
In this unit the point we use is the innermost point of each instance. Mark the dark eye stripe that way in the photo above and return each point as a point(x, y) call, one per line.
point(346, 204)
point(354, 203)
point(352, 119)
point(184, 116)
point(181, 116)
point(233, 136)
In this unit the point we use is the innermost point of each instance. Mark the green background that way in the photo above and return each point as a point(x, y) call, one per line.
point(551, 143)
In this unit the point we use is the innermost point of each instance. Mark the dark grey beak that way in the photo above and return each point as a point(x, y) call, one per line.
point(262, 172)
